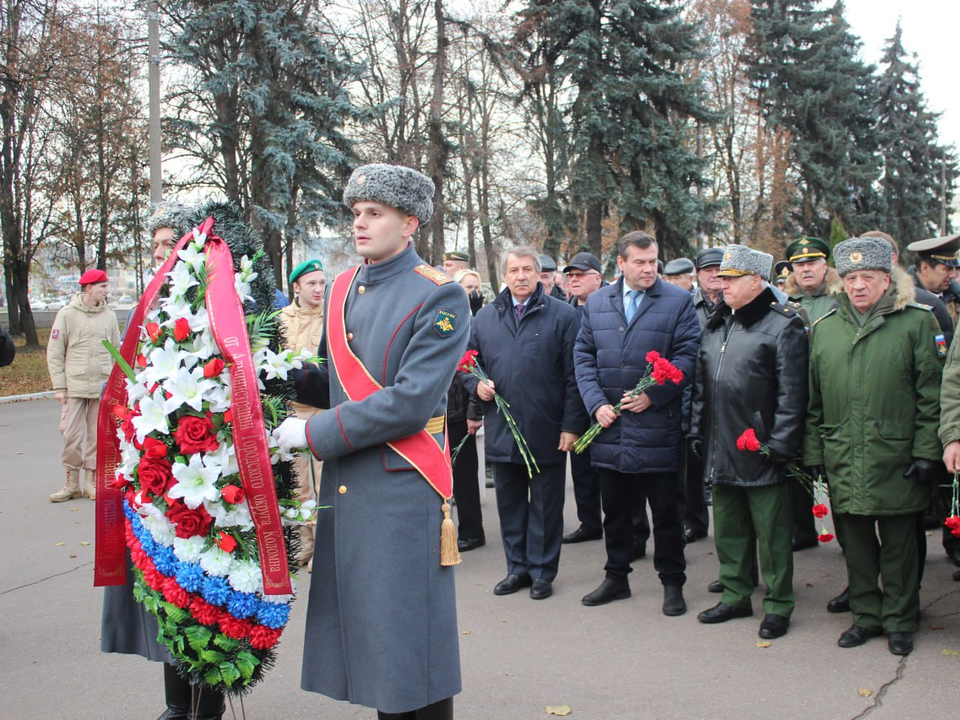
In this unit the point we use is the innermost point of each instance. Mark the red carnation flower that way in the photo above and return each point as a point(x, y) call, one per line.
point(232, 494)
point(195, 434)
point(204, 612)
point(213, 368)
point(175, 594)
point(820, 510)
point(232, 627)
point(653, 356)
point(664, 370)
point(153, 331)
point(154, 448)
point(155, 475)
point(953, 522)
point(468, 361)
point(181, 329)
point(151, 575)
point(189, 522)
point(824, 537)
point(226, 542)
point(264, 638)
point(748, 441)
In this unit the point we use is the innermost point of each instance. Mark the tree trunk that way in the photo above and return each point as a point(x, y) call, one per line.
point(595, 228)
point(438, 149)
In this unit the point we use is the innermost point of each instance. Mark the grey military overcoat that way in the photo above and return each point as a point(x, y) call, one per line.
point(381, 619)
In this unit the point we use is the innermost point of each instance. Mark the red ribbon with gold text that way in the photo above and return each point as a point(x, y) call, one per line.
point(229, 329)
point(421, 449)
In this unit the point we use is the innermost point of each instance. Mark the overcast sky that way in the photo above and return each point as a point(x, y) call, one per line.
point(929, 31)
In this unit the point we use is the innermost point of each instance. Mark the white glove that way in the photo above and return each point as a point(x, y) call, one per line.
point(291, 435)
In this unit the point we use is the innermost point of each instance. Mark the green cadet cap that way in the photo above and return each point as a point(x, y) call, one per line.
point(303, 268)
point(806, 248)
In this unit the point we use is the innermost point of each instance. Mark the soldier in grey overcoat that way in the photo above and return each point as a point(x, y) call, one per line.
point(381, 619)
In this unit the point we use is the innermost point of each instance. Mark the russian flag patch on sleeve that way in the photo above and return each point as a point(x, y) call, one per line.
point(941, 342)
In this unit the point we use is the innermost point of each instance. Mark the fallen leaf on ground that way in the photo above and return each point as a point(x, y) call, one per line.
point(72, 555)
point(763, 644)
point(464, 632)
point(74, 509)
point(951, 652)
point(864, 692)
point(510, 674)
point(85, 543)
point(809, 584)
point(558, 710)
point(61, 544)
point(936, 627)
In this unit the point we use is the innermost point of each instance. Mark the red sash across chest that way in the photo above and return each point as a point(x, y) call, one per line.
point(421, 450)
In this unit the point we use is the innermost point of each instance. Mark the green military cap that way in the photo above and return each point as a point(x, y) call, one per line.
point(942, 249)
point(806, 248)
point(457, 255)
point(782, 270)
point(303, 268)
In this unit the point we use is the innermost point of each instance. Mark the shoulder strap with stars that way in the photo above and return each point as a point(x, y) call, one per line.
point(432, 274)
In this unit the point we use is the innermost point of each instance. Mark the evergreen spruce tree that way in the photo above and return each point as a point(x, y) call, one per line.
point(275, 104)
point(918, 173)
point(809, 79)
point(632, 114)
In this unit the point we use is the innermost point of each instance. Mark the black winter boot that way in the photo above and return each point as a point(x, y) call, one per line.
point(208, 704)
point(177, 692)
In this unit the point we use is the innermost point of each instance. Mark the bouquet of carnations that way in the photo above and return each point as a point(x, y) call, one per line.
point(659, 371)
point(208, 499)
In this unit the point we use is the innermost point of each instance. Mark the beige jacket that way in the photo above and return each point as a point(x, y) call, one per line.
point(302, 328)
point(77, 360)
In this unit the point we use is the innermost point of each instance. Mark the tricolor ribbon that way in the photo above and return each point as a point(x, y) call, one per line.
point(229, 328)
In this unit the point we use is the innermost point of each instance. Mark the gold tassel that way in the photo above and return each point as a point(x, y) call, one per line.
point(449, 552)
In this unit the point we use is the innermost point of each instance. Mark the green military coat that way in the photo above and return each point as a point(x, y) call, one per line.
point(950, 398)
point(874, 403)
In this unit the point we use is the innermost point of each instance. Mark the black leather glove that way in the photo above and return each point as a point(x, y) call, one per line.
point(696, 446)
point(476, 301)
point(925, 471)
point(818, 471)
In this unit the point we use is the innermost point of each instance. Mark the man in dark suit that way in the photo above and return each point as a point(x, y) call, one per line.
point(640, 448)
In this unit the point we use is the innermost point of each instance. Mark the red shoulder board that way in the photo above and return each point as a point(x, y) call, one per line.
point(432, 274)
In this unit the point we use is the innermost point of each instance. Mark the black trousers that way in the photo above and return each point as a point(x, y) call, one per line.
point(586, 491)
point(617, 491)
point(466, 486)
point(803, 523)
point(693, 504)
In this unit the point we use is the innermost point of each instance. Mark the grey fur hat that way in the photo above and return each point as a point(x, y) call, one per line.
point(742, 260)
point(863, 253)
point(394, 185)
point(169, 214)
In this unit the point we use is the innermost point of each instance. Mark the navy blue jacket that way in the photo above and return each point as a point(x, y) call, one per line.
point(531, 365)
point(610, 359)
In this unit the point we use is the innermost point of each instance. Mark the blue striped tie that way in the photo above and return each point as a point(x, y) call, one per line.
point(631, 304)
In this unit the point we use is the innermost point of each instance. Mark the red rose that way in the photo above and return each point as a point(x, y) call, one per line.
point(468, 361)
point(264, 638)
point(181, 329)
point(189, 522)
point(226, 542)
point(227, 417)
point(232, 494)
point(153, 331)
point(213, 368)
point(232, 627)
point(824, 537)
point(121, 411)
point(195, 434)
point(820, 510)
point(129, 431)
point(154, 448)
point(155, 475)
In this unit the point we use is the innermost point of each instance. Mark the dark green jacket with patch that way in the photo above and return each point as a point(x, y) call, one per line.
point(874, 403)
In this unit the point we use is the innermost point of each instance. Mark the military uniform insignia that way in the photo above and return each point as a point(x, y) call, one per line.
point(54, 334)
point(361, 180)
point(432, 274)
point(941, 342)
point(445, 323)
point(856, 257)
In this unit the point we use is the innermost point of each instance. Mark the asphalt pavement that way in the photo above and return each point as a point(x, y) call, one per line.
point(519, 656)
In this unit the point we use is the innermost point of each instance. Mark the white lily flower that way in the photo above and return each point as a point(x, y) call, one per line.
point(193, 256)
point(225, 457)
point(274, 364)
point(196, 482)
point(186, 387)
point(152, 417)
point(163, 362)
point(182, 278)
point(199, 238)
point(161, 529)
point(239, 516)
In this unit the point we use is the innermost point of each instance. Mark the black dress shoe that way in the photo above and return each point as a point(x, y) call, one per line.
point(721, 613)
point(774, 626)
point(715, 587)
point(608, 591)
point(582, 534)
point(541, 589)
point(511, 583)
point(805, 544)
point(841, 603)
point(690, 535)
point(468, 544)
point(956, 576)
point(900, 643)
point(673, 603)
point(856, 636)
